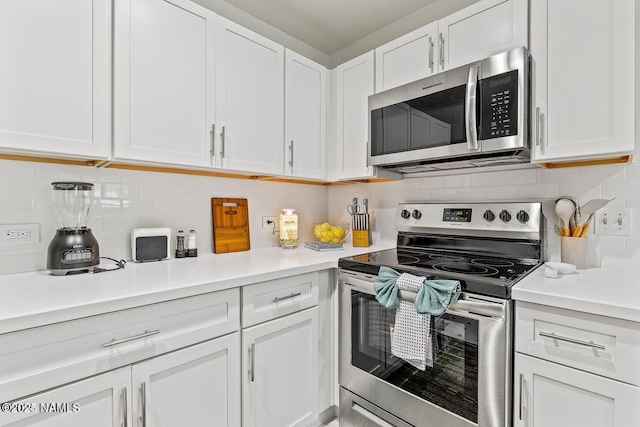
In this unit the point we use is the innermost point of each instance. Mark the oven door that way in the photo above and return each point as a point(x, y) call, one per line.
point(469, 381)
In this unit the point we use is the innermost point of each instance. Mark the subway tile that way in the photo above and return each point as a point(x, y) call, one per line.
point(457, 181)
point(432, 182)
point(26, 186)
point(16, 206)
point(602, 173)
point(473, 194)
point(486, 179)
point(21, 263)
point(50, 172)
point(14, 169)
point(520, 176)
point(502, 192)
point(536, 191)
point(558, 176)
point(448, 194)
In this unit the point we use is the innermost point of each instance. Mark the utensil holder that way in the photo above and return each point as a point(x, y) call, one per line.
point(360, 232)
point(573, 250)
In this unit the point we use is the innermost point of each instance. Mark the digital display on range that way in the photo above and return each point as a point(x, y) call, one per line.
point(456, 215)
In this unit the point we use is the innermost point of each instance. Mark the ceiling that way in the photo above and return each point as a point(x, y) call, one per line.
point(329, 25)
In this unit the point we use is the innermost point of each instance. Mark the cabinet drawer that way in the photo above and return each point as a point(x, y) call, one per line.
point(36, 359)
point(599, 344)
point(267, 300)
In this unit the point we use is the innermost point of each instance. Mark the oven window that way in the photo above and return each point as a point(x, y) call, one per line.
point(452, 381)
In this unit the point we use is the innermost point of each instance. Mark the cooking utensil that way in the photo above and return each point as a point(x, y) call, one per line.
point(565, 210)
point(587, 211)
point(549, 212)
point(353, 208)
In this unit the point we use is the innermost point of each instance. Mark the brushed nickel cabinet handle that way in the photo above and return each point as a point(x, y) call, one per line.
point(124, 407)
point(521, 399)
point(143, 406)
point(252, 369)
point(537, 126)
point(145, 334)
point(292, 295)
point(441, 50)
point(431, 54)
point(572, 340)
point(543, 140)
point(291, 152)
point(213, 139)
point(222, 141)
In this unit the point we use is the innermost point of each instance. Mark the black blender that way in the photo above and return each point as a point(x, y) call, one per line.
point(73, 249)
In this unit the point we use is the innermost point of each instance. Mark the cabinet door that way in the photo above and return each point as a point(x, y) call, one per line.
point(305, 117)
point(407, 58)
point(164, 81)
point(249, 100)
point(196, 386)
point(583, 73)
point(354, 84)
point(100, 401)
point(551, 395)
point(55, 79)
point(481, 30)
point(280, 371)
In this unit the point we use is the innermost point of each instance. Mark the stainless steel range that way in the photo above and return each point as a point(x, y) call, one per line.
point(488, 247)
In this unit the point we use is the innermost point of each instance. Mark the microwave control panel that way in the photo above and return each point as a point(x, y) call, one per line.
point(499, 109)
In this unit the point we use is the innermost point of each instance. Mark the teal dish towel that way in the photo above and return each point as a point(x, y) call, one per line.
point(434, 297)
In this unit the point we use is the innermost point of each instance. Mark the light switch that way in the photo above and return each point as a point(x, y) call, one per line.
point(615, 222)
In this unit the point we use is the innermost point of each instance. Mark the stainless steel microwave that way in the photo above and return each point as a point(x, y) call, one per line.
point(474, 115)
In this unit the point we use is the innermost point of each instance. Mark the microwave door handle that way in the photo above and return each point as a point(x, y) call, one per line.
point(470, 110)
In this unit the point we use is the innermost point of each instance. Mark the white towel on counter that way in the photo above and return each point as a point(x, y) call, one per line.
point(411, 336)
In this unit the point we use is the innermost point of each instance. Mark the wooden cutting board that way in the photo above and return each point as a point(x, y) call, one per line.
point(230, 225)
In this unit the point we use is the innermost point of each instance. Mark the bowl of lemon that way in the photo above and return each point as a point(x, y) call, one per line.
point(331, 233)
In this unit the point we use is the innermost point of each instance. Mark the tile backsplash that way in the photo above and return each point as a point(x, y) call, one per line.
point(621, 181)
point(127, 199)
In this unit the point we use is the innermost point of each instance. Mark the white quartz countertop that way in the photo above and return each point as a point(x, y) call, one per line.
point(603, 291)
point(34, 299)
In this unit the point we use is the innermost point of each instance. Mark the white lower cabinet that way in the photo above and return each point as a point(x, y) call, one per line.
point(280, 371)
point(575, 369)
point(195, 386)
point(100, 401)
point(552, 395)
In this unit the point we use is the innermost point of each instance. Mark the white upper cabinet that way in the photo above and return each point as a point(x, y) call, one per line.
point(352, 84)
point(474, 33)
point(407, 58)
point(249, 100)
point(481, 30)
point(305, 119)
point(164, 82)
point(55, 77)
point(583, 71)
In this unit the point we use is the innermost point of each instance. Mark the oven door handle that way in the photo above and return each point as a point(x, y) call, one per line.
point(462, 305)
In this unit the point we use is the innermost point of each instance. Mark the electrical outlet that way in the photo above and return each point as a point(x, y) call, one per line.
point(269, 221)
point(613, 222)
point(19, 233)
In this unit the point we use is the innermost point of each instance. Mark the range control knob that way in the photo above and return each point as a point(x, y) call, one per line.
point(489, 215)
point(505, 216)
point(405, 214)
point(416, 214)
point(522, 216)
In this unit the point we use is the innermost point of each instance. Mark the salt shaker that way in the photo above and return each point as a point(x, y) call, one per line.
point(192, 247)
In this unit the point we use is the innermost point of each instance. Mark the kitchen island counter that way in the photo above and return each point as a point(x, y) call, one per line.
point(33, 299)
point(602, 291)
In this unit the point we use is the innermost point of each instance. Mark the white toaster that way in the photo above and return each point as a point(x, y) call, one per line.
point(150, 244)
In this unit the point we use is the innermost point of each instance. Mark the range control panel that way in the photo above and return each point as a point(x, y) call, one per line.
point(499, 217)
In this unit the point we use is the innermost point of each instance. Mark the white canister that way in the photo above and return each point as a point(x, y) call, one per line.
point(288, 229)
